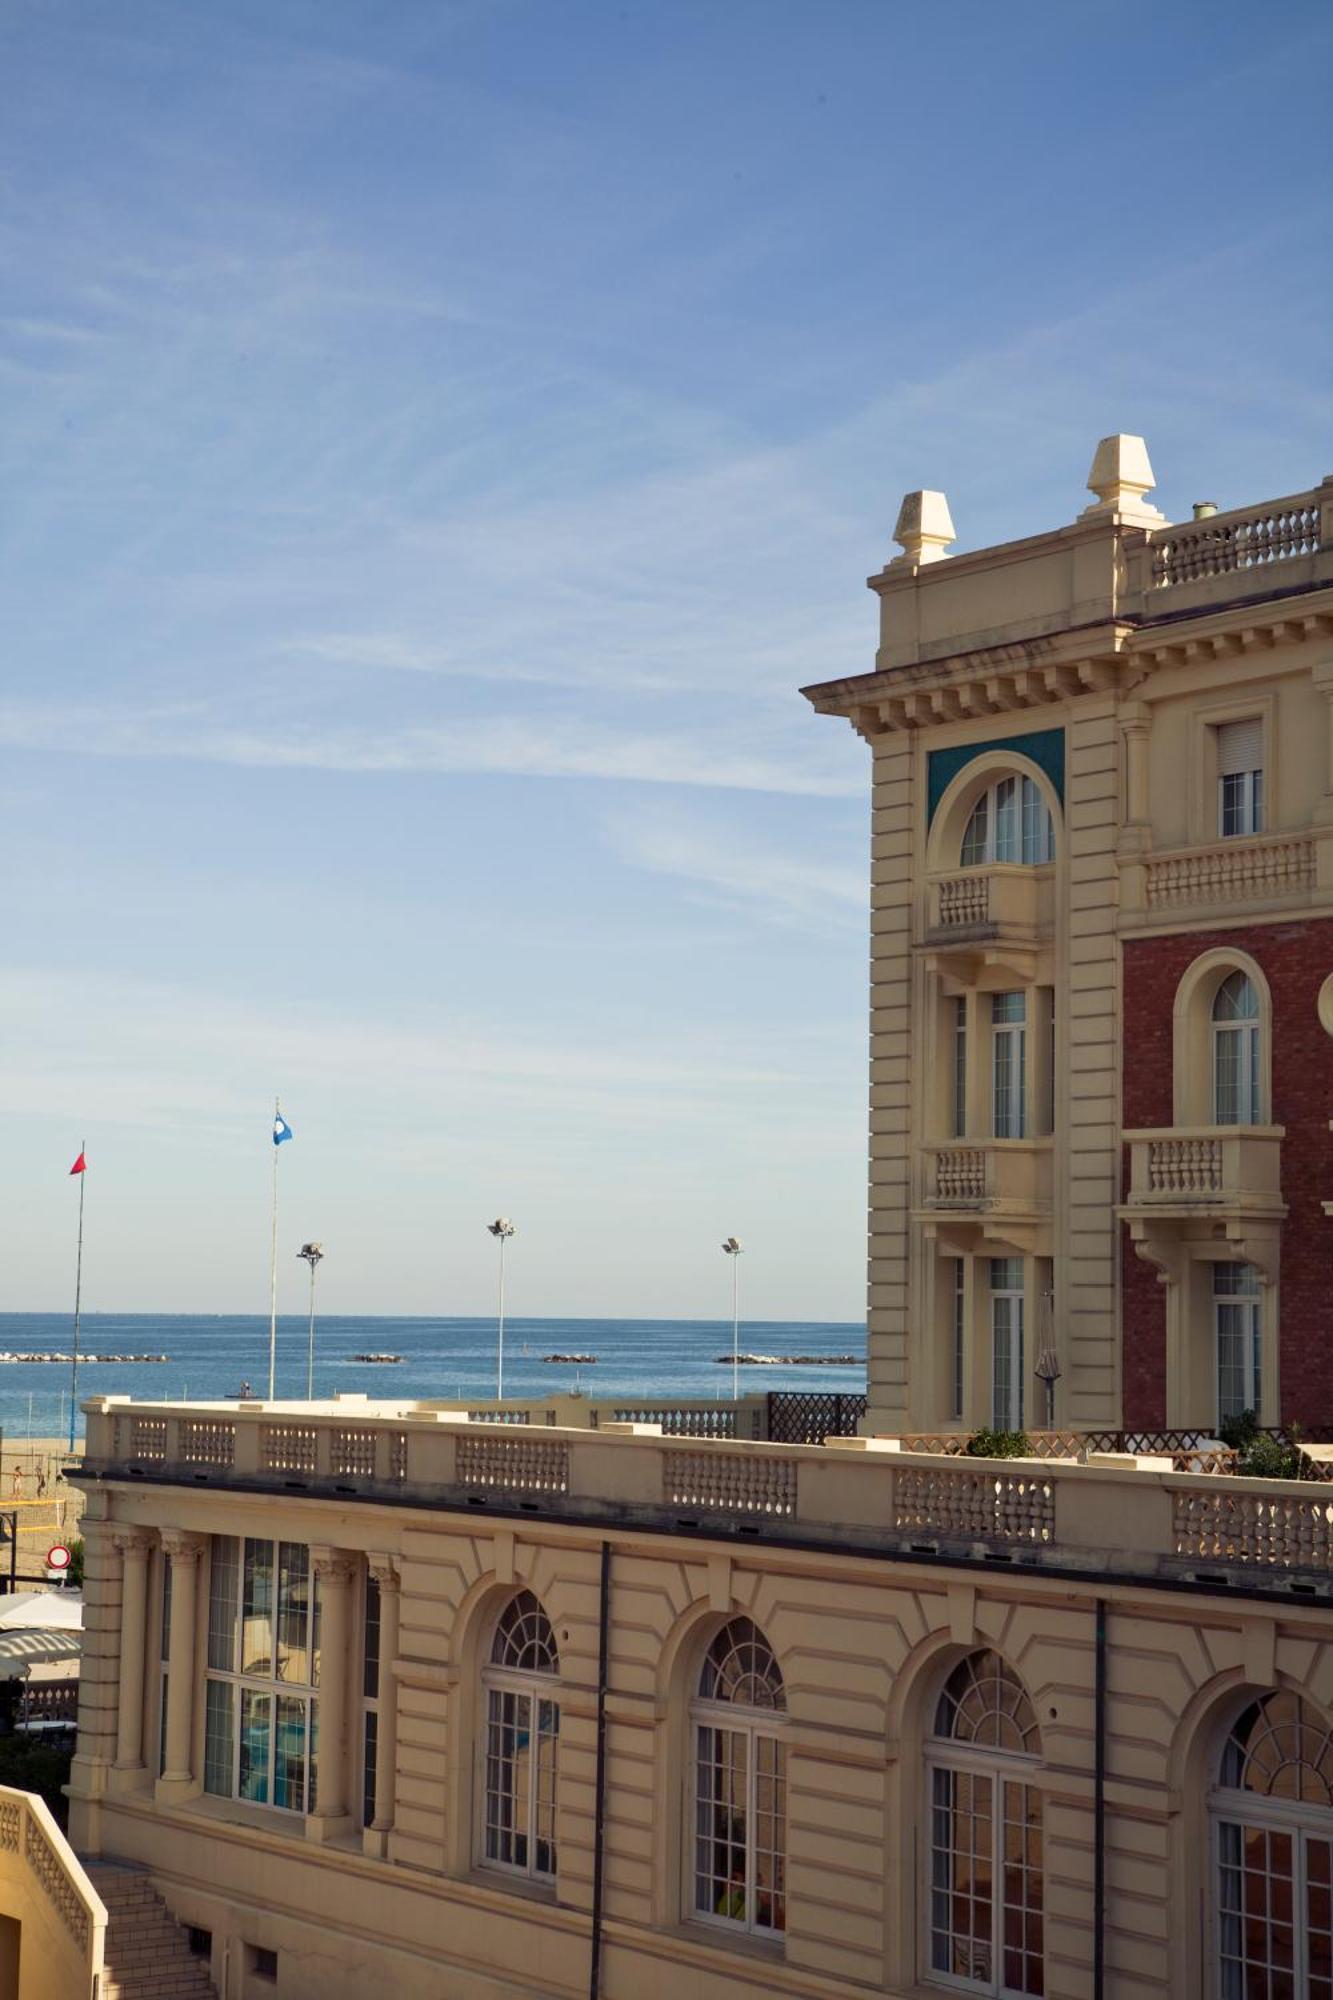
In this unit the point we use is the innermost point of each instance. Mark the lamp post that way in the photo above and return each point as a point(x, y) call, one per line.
point(502, 1229)
point(313, 1254)
point(734, 1248)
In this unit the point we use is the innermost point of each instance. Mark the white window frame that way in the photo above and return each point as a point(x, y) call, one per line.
point(1245, 1310)
point(1008, 1417)
point(271, 1685)
point(371, 1599)
point(1008, 1069)
point(999, 1768)
point(1229, 1807)
point(959, 1072)
point(958, 1338)
point(1240, 1039)
point(1018, 829)
point(1240, 794)
point(539, 1691)
point(752, 1726)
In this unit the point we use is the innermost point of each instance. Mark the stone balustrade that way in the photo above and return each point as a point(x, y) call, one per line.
point(993, 1176)
point(1004, 900)
point(1247, 538)
point(1230, 871)
point(1114, 1513)
point(44, 1885)
point(1206, 1167)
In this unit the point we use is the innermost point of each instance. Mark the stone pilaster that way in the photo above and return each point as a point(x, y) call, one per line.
point(333, 1573)
point(376, 1836)
point(184, 1551)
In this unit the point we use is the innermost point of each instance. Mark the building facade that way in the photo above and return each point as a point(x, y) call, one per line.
point(1102, 1077)
point(391, 1700)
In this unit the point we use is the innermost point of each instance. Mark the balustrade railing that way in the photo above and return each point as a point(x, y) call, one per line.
point(29, 1835)
point(1231, 872)
point(1248, 538)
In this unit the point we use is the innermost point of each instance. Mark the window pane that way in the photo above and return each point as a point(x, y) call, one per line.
point(1022, 1890)
point(293, 1612)
point(974, 840)
point(508, 1731)
point(770, 1835)
point(219, 1737)
point(289, 1753)
point(548, 1732)
point(370, 1679)
point(223, 1577)
point(959, 1068)
point(369, 1755)
point(1318, 1916)
point(165, 1650)
point(961, 1942)
point(959, 1331)
point(1006, 820)
point(721, 1826)
point(257, 1611)
point(256, 1719)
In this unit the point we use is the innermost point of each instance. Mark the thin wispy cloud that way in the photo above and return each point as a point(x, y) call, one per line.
point(728, 868)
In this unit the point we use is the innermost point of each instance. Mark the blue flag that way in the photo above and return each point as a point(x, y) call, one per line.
point(281, 1129)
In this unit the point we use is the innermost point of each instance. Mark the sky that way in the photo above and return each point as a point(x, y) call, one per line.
point(438, 442)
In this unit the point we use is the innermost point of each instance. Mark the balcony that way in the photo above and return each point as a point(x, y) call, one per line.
point(1202, 1184)
point(1206, 1169)
point(1276, 870)
point(1004, 901)
point(1003, 1186)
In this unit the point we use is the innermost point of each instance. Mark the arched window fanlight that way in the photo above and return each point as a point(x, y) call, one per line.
point(985, 1875)
point(522, 1733)
point(1010, 822)
point(1272, 1809)
point(740, 1789)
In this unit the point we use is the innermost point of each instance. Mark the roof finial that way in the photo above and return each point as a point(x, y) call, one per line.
point(924, 528)
point(1121, 474)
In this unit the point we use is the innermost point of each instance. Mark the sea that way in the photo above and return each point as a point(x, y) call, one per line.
point(210, 1356)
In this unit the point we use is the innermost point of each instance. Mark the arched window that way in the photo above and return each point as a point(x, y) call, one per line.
point(740, 1788)
point(1236, 1052)
point(522, 1730)
point(985, 1866)
point(1272, 1809)
point(1010, 822)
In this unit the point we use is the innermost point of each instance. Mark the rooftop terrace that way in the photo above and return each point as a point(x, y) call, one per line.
point(1115, 1515)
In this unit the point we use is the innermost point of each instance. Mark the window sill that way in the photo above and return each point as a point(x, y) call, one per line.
point(241, 1812)
point(502, 1883)
point(744, 1944)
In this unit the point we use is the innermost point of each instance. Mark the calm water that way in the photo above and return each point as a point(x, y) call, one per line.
point(210, 1356)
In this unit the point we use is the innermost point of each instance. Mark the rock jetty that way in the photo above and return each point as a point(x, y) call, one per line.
point(6, 1356)
point(790, 1360)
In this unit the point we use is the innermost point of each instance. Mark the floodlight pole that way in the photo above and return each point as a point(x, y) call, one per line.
point(313, 1254)
point(502, 1229)
point(734, 1249)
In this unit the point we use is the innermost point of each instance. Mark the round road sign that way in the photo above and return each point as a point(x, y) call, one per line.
point(58, 1557)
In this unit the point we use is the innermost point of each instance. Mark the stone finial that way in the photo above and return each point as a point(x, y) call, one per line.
point(1121, 474)
point(924, 528)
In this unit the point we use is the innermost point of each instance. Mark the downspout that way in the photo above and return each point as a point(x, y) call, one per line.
point(599, 1783)
point(1099, 1810)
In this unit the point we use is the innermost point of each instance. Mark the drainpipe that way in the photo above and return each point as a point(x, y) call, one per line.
point(599, 1784)
point(1099, 1811)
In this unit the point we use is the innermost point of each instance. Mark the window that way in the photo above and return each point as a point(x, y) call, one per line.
point(1240, 778)
point(960, 1068)
point(1237, 1316)
point(1007, 1331)
point(262, 1962)
point(959, 1315)
point(1272, 1811)
point(370, 1699)
point(522, 1731)
point(985, 1856)
point(260, 1707)
point(740, 1797)
point(1008, 1012)
point(1236, 1052)
point(1010, 822)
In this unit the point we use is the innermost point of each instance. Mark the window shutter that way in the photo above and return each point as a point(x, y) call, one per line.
point(1240, 747)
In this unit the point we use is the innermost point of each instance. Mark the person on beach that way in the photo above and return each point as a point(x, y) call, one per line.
point(16, 1490)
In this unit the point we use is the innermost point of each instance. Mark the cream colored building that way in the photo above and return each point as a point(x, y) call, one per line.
point(602, 1711)
point(1103, 785)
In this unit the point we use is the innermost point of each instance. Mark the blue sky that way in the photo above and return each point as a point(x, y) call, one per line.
point(438, 441)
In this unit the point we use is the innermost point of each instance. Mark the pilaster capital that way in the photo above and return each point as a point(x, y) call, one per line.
point(183, 1546)
point(334, 1567)
point(132, 1541)
point(384, 1569)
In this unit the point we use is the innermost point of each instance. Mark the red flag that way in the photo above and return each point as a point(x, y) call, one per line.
point(80, 1165)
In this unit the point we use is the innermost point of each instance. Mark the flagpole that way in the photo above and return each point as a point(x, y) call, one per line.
point(78, 1305)
point(273, 1266)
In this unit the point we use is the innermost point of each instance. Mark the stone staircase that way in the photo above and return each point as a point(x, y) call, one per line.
point(148, 1955)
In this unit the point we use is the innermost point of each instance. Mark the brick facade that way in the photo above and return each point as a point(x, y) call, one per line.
point(1295, 959)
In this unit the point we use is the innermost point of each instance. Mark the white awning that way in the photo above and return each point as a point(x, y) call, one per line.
point(19, 1650)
